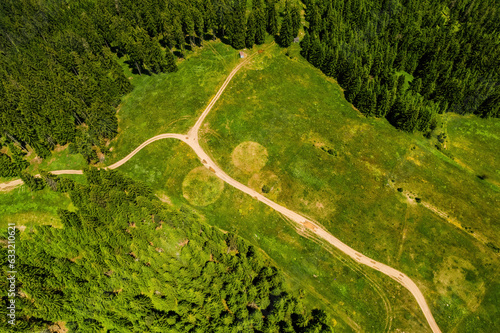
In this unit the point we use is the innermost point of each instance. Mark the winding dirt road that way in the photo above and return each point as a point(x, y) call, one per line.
point(191, 139)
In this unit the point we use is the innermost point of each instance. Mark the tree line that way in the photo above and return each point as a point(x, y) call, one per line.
point(451, 49)
point(61, 77)
point(126, 262)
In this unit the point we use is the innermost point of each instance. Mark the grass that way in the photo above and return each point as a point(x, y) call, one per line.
point(474, 142)
point(26, 208)
point(60, 159)
point(249, 157)
point(202, 187)
point(331, 282)
point(343, 170)
point(171, 103)
point(329, 163)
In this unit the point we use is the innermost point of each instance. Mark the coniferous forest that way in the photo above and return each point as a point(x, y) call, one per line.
point(60, 78)
point(450, 47)
point(126, 262)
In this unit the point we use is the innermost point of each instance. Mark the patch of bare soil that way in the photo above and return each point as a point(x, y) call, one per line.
point(309, 225)
point(58, 327)
point(165, 199)
point(59, 148)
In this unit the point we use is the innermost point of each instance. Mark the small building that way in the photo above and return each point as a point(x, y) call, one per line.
point(296, 40)
point(242, 54)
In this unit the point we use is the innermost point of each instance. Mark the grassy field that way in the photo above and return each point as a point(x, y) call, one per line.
point(474, 144)
point(171, 103)
point(285, 129)
point(330, 280)
point(343, 170)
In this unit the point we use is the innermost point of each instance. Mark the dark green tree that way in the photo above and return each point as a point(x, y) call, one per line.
point(272, 18)
point(250, 33)
point(286, 31)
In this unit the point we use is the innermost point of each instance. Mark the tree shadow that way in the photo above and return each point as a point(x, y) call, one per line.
point(132, 66)
point(178, 54)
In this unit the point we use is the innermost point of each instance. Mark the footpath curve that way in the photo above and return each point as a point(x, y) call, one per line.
point(191, 139)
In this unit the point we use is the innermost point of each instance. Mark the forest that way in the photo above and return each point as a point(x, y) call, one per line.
point(61, 77)
point(126, 262)
point(61, 74)
point(450, 49)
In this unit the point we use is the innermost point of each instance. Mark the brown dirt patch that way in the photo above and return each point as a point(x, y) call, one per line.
point(309, 226)
point(164, 198)
point(59, 148)
point(58, 327)
point(249, 157)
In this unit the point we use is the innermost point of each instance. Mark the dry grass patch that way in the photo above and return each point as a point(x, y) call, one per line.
point(201, 187)
point(250, 157)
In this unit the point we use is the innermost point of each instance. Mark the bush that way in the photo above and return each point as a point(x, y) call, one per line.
point(400, 189)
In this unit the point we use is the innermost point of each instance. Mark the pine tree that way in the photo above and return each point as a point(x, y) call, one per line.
point(490, 107)
point(250, 34)
point(272, 18)
point(296, 24)
point(171, 65)
point(286, 33)
point(260, 22)
point(238, 29)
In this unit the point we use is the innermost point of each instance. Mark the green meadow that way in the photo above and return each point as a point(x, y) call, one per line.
point(343, 170)
point(285, 129)
point(170, 103)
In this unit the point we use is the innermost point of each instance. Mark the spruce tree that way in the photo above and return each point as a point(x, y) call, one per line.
point(237, 31)
point(272, 18)
point(260, 22)
point(295, 15)
point(490, 107)
point(250, 33)
point(286, 33)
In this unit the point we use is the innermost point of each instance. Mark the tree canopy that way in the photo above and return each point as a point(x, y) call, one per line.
point(126, 262)
point(372, 47)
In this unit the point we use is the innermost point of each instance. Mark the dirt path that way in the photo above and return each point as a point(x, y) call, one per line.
point(191, 139)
